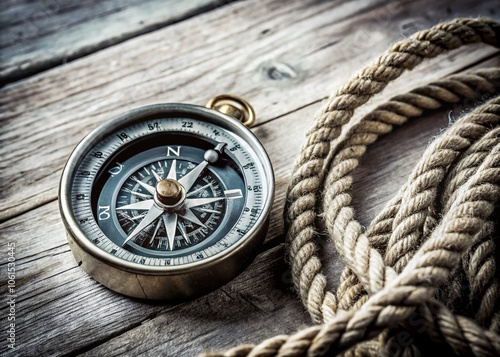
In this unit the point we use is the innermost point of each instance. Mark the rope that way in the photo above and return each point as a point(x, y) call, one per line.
point(437, 231)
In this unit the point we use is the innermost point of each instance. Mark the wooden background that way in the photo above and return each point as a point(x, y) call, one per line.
point(68, 65)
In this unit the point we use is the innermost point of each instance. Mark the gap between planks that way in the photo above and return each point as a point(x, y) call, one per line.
point(30, 30)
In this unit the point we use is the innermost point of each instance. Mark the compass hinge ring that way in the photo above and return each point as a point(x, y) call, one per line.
point(233, 106)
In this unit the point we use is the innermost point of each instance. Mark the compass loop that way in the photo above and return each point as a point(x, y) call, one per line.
point(234, 106)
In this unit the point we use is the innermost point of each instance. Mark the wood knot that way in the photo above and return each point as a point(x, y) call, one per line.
point(279, 71)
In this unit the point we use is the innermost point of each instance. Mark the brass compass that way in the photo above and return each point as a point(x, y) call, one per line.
point(168, 201)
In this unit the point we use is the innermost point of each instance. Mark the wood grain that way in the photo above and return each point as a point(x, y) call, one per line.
point(60, 309)
point(36, 36)
point(285, 59)
point(43, 118)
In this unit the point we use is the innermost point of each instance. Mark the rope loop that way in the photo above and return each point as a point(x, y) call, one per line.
point(433, 240)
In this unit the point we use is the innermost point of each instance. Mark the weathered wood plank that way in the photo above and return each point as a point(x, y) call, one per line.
point(35, 36)
point(233, 316)
point(254, 56)
point(62, 310)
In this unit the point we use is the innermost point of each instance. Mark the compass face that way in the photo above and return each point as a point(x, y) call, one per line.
point(125, 193)
point(166, 190)
point(205, 207)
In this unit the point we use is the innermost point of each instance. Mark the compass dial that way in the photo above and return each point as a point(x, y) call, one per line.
point(166, 191)
point(197, 217)
point(202, 214)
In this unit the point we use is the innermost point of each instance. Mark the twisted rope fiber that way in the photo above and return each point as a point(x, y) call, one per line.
point(408, 251)
point(478, 264)
point(308, 175)
point(338, 183)
point(367, 132)
point(383, 223)
point(472, 192)
point(429, 268)
point(429, 157)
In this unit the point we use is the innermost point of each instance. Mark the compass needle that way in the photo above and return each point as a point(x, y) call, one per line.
point(201, 189)
point(195, 202)
point(147, 187)
point(139, 206)
point(158, 224)
point(138, 194)
point(172, 173)
point(170, 221)
point(138, 216)
point(190, 216)
point(211, 156)
point(184, 234)
point(190, 178)
point(207, 210)
point(153, 214)
point(157, 177)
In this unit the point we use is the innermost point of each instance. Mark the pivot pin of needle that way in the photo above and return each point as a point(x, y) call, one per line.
point(169, 192)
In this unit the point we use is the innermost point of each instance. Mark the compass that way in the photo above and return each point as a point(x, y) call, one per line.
point(168, 201)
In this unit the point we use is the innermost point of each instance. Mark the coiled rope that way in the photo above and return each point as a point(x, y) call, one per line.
point(438, 230)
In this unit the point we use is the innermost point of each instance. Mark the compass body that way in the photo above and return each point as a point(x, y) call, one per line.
point(167, 201)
